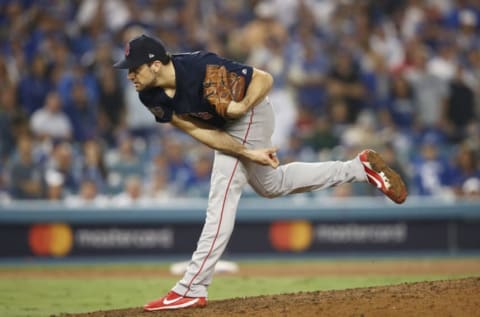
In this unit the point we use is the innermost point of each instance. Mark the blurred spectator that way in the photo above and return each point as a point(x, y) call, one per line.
point(34, 86)
point(322, 136)
point(473, 66)
point(62, 160)
point(466, 170)
point(157, 186)
point(93, 166)
point(78, 76)
point(88, 192)
point(413, 18)
point(257, 32)
point(132, 193)
point(444, 64)
point(61, 60)
point(377, 79)
point(305, 121)
point(82, 113)
point(13, 122)
point(199, 183)
point(344, 83)
point(54, 185)
point(363, 134)
point(338, 113)
point(112, 108)
point(384, 41)
point(464, 20)
point(4, 194)
point(26, 176)
point(114, 13)
point(308, 71)
point(179, 169)
point(429, 91)
point(122, 162)
point(459, 107)
point(5, 76)
point(88, 195)
point(50, 123)
point(400, 103)
point(473, 135)
point(111, 99)
point(224, 19)
point(431, 171)
point(471, 189)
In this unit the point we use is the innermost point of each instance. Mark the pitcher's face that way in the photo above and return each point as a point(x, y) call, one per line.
point(142, 77)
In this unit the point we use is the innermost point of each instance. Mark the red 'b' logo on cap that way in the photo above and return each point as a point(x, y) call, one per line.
point(127, 49)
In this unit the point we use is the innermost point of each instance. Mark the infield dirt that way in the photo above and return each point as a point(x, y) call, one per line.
point(438, 298)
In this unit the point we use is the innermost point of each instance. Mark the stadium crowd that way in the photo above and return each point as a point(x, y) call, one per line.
point(398, 76)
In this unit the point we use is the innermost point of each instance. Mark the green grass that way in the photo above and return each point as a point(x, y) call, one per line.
point(35, 296)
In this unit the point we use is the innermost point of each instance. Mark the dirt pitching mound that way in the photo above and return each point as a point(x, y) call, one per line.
point(439, 298)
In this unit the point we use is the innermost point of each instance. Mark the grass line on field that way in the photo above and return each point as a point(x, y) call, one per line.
point(260, 268)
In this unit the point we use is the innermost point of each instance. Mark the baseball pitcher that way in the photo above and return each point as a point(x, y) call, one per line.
point(224, 105)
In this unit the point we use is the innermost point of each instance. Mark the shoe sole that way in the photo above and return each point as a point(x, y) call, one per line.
point(397, 191)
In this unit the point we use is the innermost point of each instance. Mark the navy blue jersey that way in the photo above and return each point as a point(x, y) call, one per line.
point(189, 98)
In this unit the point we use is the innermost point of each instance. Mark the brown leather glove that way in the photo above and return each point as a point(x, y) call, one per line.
point(220, 87)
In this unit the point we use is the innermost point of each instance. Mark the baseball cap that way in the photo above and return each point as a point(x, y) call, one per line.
point(141, 50)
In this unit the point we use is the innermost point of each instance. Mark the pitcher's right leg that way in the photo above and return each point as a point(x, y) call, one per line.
point(303, 177)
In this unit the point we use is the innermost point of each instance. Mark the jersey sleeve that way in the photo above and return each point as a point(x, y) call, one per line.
point(161, 114)
point(157, 107)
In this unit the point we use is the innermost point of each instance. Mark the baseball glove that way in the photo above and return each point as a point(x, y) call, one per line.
point(220, 87)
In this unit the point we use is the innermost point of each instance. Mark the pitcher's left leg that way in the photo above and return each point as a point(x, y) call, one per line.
point(227, 182)
point(228, 179)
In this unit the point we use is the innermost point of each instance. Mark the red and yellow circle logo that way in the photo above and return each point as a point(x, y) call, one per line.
point(291, 235)
point(54, 239)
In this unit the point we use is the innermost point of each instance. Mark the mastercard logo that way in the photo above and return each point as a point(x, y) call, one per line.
point(50, 239)
point(293, 236)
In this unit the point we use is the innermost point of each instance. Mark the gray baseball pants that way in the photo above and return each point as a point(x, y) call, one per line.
point(229, 175)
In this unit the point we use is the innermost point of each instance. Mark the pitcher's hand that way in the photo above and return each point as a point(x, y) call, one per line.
point(266, 156)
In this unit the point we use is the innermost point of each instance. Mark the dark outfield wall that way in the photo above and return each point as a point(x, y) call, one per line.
point(262, 228)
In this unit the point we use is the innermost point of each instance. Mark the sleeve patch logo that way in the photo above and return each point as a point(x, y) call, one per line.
point(157, 111)
point(202, 115)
